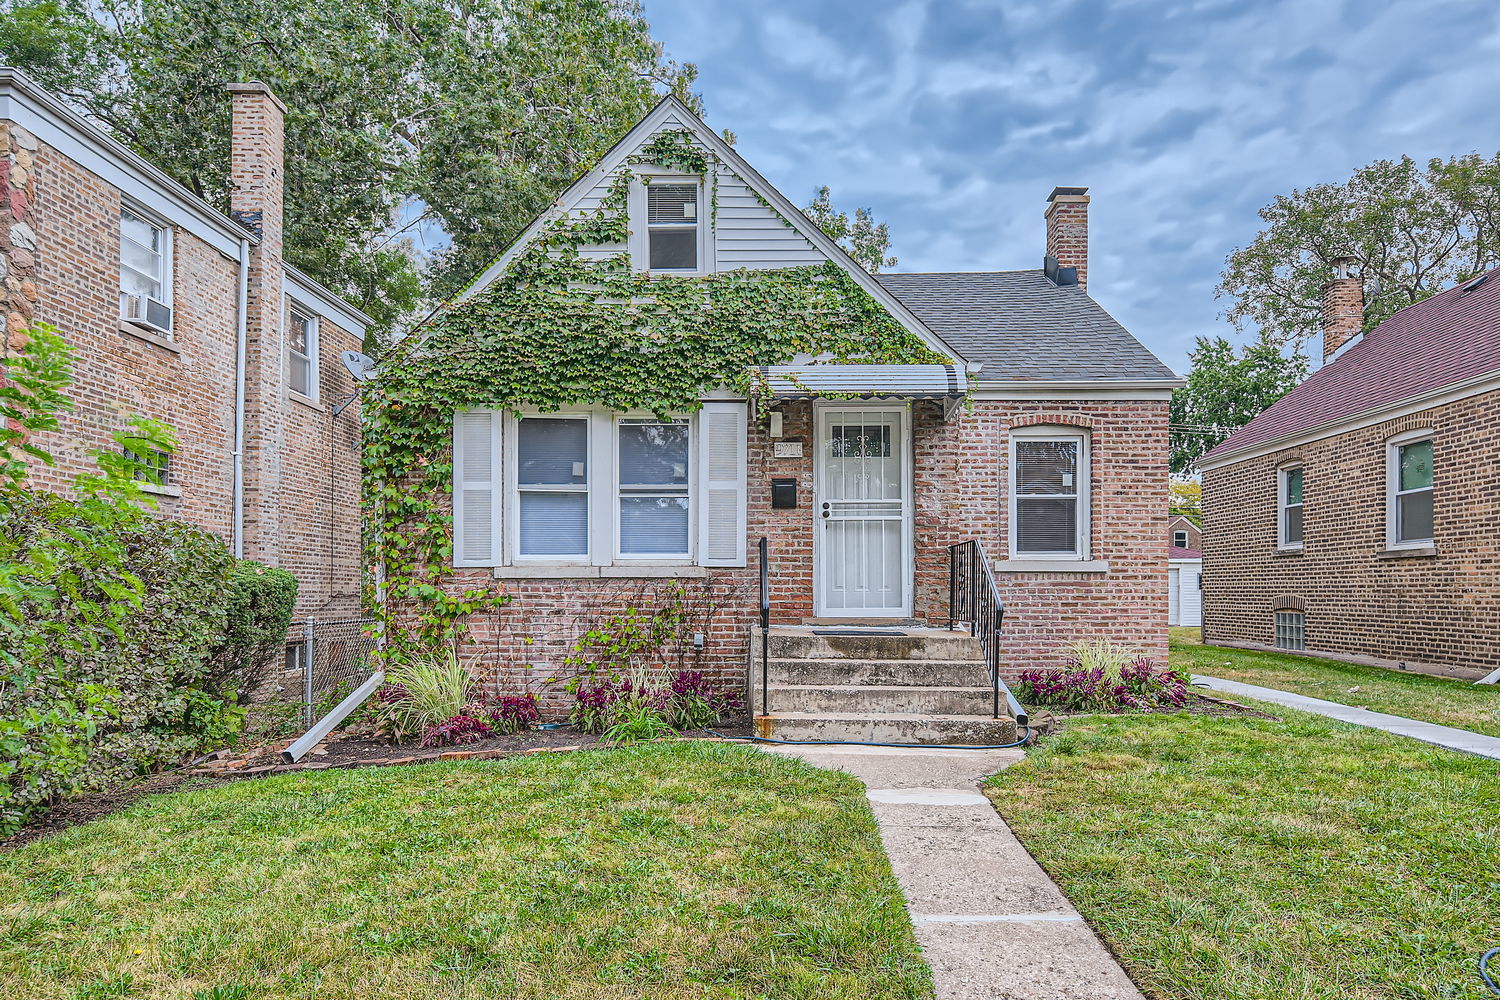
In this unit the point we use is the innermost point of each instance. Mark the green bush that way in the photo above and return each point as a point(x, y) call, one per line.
point(261, 600)
point(115, 625)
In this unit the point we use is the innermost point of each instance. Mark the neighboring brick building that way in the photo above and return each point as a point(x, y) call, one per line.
point(1355, 517)
point(859, 477)
point(176, 311)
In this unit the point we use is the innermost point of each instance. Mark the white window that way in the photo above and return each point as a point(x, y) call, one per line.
point(552, 487)
point(1049, 504)
point(1180, 539)
point(593, 488)
point(1409, 490)
point(302, 352)
point(1289, 521)
point(652, 499)
point(145, 272)
point(1291, 630)
point(672, 226)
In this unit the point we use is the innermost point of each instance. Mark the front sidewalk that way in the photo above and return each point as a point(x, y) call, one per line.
point(990, 921)
point(1448, 737)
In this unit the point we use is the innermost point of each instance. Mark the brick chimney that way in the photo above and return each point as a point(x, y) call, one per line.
point(1343, 308)
point(1068, 236)
point(256, 160)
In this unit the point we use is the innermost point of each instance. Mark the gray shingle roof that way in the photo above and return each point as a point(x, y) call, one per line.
point(1020, 326)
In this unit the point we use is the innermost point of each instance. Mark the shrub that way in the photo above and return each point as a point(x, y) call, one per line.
point(259, 612)
point(110, 618)
point(1138, 685)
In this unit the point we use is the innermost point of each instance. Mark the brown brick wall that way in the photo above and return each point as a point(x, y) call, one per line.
point(959, 485)
point(72, 271)
point(1437, 612)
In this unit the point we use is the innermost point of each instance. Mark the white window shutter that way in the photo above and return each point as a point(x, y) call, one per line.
point(722, 469)
point(476, 488)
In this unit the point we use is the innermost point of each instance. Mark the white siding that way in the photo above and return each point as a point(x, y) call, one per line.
point(746, 232)
point(1185, 598)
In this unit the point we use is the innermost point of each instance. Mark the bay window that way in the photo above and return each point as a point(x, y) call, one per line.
point(1049, 494)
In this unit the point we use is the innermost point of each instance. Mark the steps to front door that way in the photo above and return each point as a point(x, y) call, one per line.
point(872, 685)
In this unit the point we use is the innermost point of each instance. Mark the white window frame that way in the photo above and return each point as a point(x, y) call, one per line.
point(513, 491)
point(1185, 539)
point(1393, 448)
point(640, 230)
point(602, 489)
point(314, 347)
point(159, 224)
point(1289, 622)
point(1282, 476)
point(1084, 520)
point(618, 421)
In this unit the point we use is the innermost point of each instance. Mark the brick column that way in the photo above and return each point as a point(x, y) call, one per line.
point(255, 201)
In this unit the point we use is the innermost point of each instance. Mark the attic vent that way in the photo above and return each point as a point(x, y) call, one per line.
point(1473, 284)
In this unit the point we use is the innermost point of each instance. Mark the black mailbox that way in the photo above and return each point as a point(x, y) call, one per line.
point(783, 494)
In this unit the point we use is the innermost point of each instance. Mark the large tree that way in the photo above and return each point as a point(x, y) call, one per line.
point(468, 116)
point(1410, 230)
point(1225, 389)
point(866, 240)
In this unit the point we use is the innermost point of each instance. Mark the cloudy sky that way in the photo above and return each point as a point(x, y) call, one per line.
point(953, 119)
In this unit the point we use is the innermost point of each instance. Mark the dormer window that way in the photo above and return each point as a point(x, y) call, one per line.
point(672, 220)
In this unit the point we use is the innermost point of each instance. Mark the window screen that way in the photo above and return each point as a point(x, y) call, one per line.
point(653, 488)
point(1045, 484)
point(552, 483)
point(672, 226)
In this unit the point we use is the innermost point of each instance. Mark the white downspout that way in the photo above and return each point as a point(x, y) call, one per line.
point(240, 351)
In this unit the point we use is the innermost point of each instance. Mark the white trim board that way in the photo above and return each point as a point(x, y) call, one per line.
point(671, 107)
point(54, 123)
point(296, 285)
point(1429, 400)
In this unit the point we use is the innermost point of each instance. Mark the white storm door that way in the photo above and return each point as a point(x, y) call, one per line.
point(862, 555)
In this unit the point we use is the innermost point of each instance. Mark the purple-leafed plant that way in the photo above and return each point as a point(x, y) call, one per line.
point(697, 702)
point(1139, 685)
point(457, 730)
point(511, 713)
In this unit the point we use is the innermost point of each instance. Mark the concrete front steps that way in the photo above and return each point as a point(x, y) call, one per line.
point(904, 685)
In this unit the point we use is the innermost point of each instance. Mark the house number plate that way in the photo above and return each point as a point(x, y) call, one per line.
point(788, 449)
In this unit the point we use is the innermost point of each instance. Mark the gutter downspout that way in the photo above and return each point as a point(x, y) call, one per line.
point(240, 363)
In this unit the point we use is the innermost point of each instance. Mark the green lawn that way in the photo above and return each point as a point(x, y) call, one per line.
point(1416, 696)
point(673, 870)
point(1250, 859)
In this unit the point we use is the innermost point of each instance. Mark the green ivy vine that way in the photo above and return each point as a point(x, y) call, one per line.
point(558, 328)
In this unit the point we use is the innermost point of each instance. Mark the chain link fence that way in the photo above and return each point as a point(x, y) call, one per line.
point(328, 658)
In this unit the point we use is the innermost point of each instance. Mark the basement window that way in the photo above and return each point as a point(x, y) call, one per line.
point(1291, 630)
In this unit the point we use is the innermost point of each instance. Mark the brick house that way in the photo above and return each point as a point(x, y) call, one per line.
point(1354, 517)
point(1044, 441)
point(179, 312)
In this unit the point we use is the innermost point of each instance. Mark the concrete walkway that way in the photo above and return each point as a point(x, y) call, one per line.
point(991, 923)
point(1428, 732)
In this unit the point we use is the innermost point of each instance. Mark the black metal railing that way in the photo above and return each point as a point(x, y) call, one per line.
point(765, 625)
point(974, 601)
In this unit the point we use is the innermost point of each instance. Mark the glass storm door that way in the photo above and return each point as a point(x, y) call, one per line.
point(862, 563)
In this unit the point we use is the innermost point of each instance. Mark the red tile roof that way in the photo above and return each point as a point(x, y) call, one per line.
point(1176, 552)
point(1438, 342)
